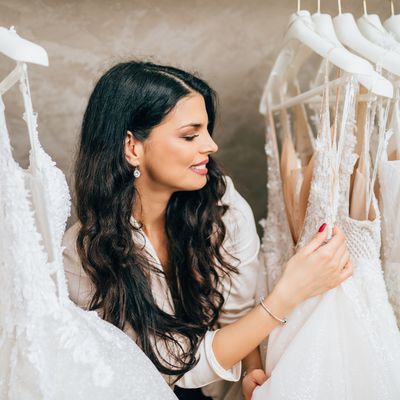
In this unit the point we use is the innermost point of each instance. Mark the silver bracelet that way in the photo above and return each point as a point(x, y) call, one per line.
point(282, 321)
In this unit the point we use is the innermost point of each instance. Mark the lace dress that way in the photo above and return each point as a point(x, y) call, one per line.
point(50, 348)
point(389, 180)
point(343, 344)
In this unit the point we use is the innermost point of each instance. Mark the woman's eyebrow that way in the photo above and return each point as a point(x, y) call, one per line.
point(193, 125)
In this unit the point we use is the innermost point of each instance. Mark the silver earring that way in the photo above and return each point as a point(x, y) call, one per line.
point(136, 172)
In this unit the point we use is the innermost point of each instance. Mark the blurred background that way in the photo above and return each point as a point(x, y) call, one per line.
point(232, 44)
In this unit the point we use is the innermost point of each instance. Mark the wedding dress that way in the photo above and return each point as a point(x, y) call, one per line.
point(389, 181)
point(49, 347)
point(343, 344)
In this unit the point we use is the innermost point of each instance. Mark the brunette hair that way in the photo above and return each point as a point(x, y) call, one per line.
point(136, 96)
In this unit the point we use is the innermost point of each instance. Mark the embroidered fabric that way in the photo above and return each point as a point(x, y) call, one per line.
point(389, 180)
point(343, 344)
point(50, 348)
point(277, 244)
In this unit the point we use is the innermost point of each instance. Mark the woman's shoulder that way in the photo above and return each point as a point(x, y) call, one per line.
point(234, 200)
point(72, 261)
point(241, 238)
point(80, 287)
point(71, 234)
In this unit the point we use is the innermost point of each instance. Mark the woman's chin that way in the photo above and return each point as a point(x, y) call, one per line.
point(195, 182)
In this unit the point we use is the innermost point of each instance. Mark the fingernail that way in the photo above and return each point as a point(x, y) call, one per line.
point(322, 227)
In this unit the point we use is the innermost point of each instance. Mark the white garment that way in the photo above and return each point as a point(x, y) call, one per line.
point(50, 349)
point(343, 344)
point(389, 180)
point(243, 243)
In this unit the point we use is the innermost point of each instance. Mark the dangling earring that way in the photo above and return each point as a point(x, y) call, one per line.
point(136, 172)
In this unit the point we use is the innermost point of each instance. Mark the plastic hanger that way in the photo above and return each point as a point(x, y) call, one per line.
point(13, 46)
point(301, 34)
point(392, 24)
point(19, 49)
point(349, 34)
point(301, 28)
point(369, 78)
point(299, 37)
point(371, 27)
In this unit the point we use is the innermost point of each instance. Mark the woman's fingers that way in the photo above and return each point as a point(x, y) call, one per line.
point(317, 241)
point(347, 271)
point(344, 259)
point(335, 243)
point(253, 379)
point(341, 257)
point(318, 266)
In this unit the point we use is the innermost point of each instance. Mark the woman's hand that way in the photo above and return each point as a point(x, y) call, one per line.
point(315, 268)
point(254, 378)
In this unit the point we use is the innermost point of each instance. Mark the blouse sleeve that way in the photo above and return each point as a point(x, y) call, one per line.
point(243, 244)
point(206, 371)
point(80, 287)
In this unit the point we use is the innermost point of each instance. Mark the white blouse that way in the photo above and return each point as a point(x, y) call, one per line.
point(241, 241)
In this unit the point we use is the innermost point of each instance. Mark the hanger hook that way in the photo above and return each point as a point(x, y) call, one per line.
point(319, 6)
point(298, 5)
point(392, 7)
point(339, 4)
point(365, 7)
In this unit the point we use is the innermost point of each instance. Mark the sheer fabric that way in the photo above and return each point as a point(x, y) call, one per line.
point(345, 343)
point(50, 348)
point(389, 181)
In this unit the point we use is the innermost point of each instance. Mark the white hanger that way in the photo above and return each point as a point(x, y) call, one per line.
point(13, 46)
point(19, 49)
point(369, 78)
point(301, 34)
point(371, 27)
point(301, 28)
point(392, 24)
point(349, 34)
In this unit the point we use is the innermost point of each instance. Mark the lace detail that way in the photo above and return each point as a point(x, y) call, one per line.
point(51, 349)
point(345, 344)
point(389, 180)
point(392, 279)
point(277, 244)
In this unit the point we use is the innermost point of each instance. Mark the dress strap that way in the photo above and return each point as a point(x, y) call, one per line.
point(335, 140)
point(5, 145)
point(383, 138)
point(30, 117)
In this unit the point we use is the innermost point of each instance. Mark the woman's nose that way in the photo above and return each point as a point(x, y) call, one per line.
point(209, 146)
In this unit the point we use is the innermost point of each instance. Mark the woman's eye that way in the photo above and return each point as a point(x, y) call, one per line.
point(190, 138)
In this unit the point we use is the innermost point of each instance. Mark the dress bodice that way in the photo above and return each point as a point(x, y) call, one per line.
point(50, 349)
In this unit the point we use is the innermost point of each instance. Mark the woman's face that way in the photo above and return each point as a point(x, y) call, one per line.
point(175, 154)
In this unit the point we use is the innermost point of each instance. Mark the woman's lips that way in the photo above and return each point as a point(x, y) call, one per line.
point(199, 169)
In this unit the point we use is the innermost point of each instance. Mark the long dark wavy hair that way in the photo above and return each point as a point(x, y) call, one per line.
point(136, 96)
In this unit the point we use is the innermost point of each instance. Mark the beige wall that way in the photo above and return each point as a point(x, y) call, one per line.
point(231, 43)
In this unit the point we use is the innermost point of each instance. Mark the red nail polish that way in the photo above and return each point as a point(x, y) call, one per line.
point(322, 227)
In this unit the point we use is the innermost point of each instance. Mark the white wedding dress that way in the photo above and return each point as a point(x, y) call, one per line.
point(343, 344)
point(389, 180)
point(50, 348)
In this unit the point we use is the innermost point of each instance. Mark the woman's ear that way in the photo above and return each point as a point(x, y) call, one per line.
point(133, 150)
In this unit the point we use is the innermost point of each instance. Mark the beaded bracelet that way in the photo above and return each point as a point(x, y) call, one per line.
point(282, 321)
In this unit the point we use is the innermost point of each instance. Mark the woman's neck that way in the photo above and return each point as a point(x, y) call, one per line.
point(150, 207)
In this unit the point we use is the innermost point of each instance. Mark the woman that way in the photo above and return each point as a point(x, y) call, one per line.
point(165, 247)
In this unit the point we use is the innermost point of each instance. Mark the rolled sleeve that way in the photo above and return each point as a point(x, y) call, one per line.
point(208, 369)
